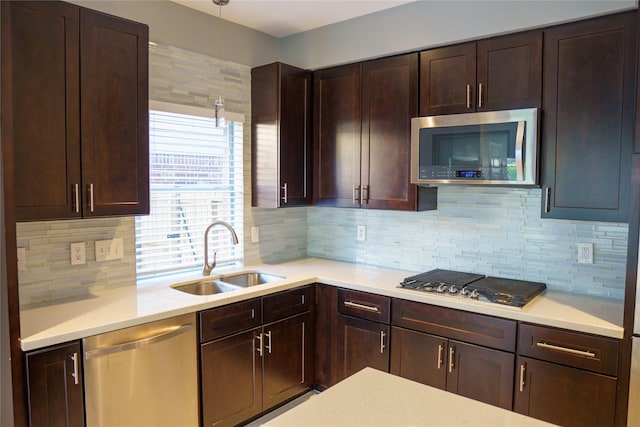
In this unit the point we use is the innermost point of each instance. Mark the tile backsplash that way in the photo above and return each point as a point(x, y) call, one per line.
point(49, 274)
point(487, 230)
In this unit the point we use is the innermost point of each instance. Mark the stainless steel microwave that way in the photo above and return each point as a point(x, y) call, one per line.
point(488, 148)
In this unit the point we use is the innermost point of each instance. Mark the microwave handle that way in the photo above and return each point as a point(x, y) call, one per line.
point(520, 150)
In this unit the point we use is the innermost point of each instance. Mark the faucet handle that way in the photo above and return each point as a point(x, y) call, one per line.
point(208, 267)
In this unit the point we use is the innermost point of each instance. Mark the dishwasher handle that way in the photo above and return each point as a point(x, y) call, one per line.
point(103, 351)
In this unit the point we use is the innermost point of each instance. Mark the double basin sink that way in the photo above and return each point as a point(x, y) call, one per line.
point(228, 282)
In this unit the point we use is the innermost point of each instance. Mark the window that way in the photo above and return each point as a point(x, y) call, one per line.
point(195, 174)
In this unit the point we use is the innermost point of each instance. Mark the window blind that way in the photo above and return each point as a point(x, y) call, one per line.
point(195, 178)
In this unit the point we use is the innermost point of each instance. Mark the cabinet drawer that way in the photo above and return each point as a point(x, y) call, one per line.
point(287, 303)
point(364, 305)
point(598, 354)
point(460, 325)
point(221, 321)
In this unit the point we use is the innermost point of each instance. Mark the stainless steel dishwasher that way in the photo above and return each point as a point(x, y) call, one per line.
point(142, 376)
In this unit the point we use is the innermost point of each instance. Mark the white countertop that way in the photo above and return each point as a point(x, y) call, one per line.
point(66, 320)
point(374, 398)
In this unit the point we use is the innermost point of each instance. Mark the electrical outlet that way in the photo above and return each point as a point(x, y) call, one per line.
point(361, 233)
point(255, 234)
point(109, 249)
point(77, 253)
point(22, 259)
point(585, 253)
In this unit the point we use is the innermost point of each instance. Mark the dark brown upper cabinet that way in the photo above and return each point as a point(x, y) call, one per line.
point(588, 118)
point(493, 74)
point(362, 135)
point(79, 105)
point(280, 136)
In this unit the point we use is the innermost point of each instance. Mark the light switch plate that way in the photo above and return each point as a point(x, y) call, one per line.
point(255, 234)
point(107, 250)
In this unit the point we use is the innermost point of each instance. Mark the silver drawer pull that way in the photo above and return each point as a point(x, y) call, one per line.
point(361, 306)
point(566, 350)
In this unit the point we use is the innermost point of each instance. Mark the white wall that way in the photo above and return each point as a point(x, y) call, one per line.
point(173, 24)
point(422, 24)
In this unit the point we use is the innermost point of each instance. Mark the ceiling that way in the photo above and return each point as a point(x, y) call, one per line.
point(281, 18)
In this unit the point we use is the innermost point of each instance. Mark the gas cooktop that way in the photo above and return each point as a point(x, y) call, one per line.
point(515, 293)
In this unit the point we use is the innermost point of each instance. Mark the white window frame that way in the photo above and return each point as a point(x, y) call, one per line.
point(208, 113)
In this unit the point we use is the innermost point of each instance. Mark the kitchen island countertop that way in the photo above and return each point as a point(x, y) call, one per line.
point(65, 320)
point(374, 398)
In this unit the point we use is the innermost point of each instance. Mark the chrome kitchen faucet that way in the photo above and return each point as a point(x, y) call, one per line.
point(206, 271)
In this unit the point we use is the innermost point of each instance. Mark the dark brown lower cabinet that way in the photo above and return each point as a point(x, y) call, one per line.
point(287, 359)
point(54, 378)
point(361, 344)
point(472, 371)
point(231, 379)
point(250, 372)
point(565, 396)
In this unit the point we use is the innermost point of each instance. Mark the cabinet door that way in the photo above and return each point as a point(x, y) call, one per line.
point(44, 63)
point(55, 386)
point(280, 120)
point(509, 72)
point(114, 115)
point(287, 359)
point(481, 373)
point(336, 149)
point(361, 344)
point(589, 90)
point(295, 147)
point(565, 396)
point(448, 79)
point(231, 379)
point(389, 101)
point(419, 357)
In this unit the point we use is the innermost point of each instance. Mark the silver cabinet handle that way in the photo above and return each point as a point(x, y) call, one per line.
point(91, 197)
point(468, 96)
point(440, 350)
point(355, 199)
point(452, 354)
point(480, 95)
point(103, 351)
point(382, 346)
point(547, 199)
point(268, 346)
point(566, 349)
point(361, 306)
point(285, 197)
point(259, 349)
point(523, 369)
point(365, 198)
point(74, 374)
point(76, 198)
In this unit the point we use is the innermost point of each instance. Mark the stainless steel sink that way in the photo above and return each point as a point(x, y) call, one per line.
point(227, 283)
point(250, 278)
point(206, 287)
